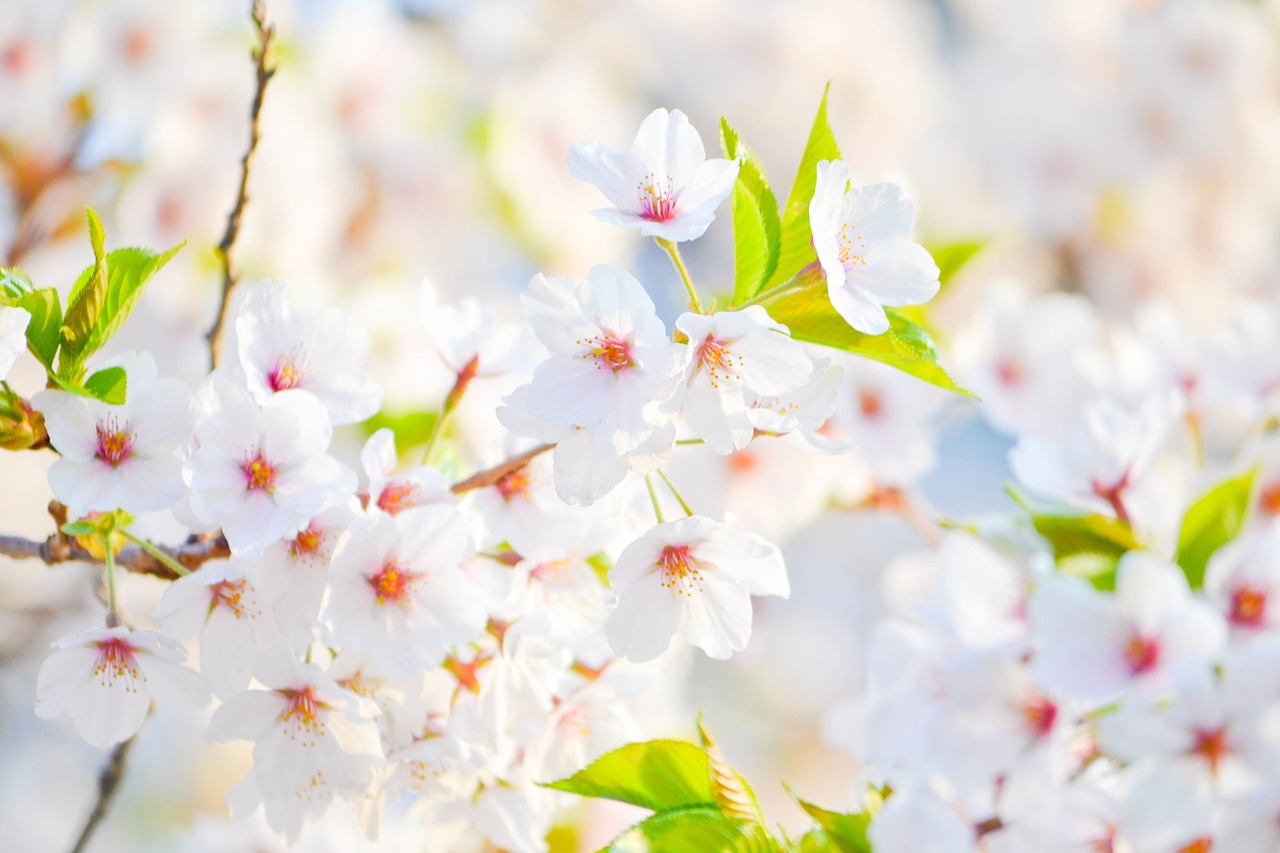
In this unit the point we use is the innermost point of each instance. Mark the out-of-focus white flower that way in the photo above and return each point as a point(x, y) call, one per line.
point(262, 473)
point(119, 457)
point(225, 609)
point(104, 680)
point(916, 819)
point(13, 337)
point(728, 355)
point(467, 330)
point(664, 185)
point(862, 237)
point(398, 594)
point(1243, 581)
point(1096, 647)
point(312, 740)
point(601, 393)
point(693, 577)
point(282, 349)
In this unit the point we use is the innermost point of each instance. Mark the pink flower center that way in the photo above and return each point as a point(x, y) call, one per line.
point(870, 404)
point(391, 583)
point(1040, 715)
point(115, 443)
point(1141, 654)
point(306, 543)
point(610, 352)
point(657, 199)
point(396, 497)
point(680, 570)
point(304, 706)
point(116, 661)
point(1008, 372)
point(1248, 607)
point(260, 475)
point(1269, 499)
point(851, 246)
point(289, 372)
point(720, 361)
point(229, 594)
point(514, 485)
point(1212, 746)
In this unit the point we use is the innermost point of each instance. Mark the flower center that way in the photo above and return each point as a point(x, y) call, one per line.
point(1040, 715)
point(1212, 746)
point(304, 707)
point(1141, 654)
point(289, 372)
point(720, 361)
point(229, 594)
point(1269, 499)
point(260, 475)
point(610, 352)
point(870, 403)
point(116, 662)
point(396, 497)
point(115, 443)
point(657, 199)
point(306, 543)
point(391, 583)
point(851, 246)
point(1248, 607)
point(680, 570)
point(514, 485)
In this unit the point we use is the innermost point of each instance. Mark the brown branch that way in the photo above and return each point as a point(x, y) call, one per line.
point(265, 71)
point(489, 476)
point(108, 781)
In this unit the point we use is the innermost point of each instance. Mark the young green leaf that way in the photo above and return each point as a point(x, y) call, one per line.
point(46, 321)
point(697, 828)
point(756, 223)
point(14, 284)
point(952, 257)
point(1211, 522)
point(128, 272)
point(796, 250)
point(657, 775)
point(843, 832)
point(1088, 546)
point(84, 303)
point(732, 792)
point(906, 346)
point(108, 385)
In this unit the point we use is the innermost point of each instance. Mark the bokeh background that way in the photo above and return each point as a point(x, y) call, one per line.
point(1115, 158)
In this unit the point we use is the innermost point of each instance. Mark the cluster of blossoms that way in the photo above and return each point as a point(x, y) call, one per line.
point(400, 637)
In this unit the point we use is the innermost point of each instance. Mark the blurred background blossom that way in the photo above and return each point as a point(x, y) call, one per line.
point(1116, 159)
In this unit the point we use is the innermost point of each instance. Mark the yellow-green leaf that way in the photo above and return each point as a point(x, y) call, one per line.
point(1211, 522)
point(657, 775)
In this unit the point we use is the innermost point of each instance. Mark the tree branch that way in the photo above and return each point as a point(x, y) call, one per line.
point(108, 781)
point(489, 476)
point(265, 71)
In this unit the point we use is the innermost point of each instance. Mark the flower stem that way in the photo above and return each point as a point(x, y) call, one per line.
point(113, 615)
point(806, 277)
point(684, 506)
point(177, 567)
point(465, 375)
point(653, 496)
point(673, 251)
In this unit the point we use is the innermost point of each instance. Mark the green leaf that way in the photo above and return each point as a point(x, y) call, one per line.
point(1088, 546)
point(84, 303)
point(906, 346)
point(757, 228)
point(1211, 522)
point(796, 250)
point(657, 775)
point(79, 528)
point(698, 828)
point(952, 257)
point(108, 385)
point(46, 321)
point(14, 284)
point(842, 832)
point(411, 428)
point(732, 792)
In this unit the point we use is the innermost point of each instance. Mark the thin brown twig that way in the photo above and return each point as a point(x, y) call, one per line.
point(108, 781)
point(489, 476)
point(265, 71)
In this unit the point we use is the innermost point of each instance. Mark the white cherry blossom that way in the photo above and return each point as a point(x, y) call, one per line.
point(119, 457)
point(731, 354)
point(664, 185)
point(693, 577)
point(280, 349)
point(104, 680)
point(262, 472)
point(390, 492)
point(13, 336)
point(862, 237)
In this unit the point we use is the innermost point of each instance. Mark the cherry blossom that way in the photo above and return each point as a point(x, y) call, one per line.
point(664, 185)
point(13, 336)
point(862, 239)
point(390, 492)
point(104, 680)
point(262, 473)
point(694, 577)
